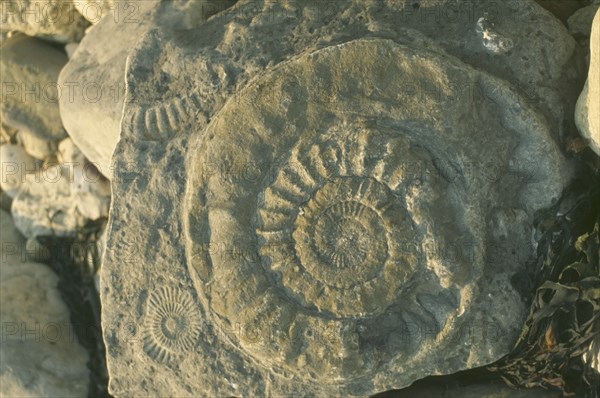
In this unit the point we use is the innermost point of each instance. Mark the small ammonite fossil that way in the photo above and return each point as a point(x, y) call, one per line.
point(171, 325)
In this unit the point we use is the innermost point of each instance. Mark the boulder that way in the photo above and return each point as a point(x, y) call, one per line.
point(5, 201)
point(68, 153)
point(40, 355)
point(39, 148)
point(580, 23)
point(30, 90)
point(318, 199)
point(60, 199)
point(11, 241)
point(6, 134)
point(16, 164)
point(56, 20)
point(587, 113)
point(95, 10)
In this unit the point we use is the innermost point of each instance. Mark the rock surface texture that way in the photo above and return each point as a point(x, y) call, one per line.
point(587, 114)
point(317, 199)
point(40, 355)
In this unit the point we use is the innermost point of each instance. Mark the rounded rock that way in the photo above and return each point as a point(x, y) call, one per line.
point(16, 163)
point(587, 113)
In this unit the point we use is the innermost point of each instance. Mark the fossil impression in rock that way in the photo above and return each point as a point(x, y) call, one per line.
point(355, 246)
point(349, 221)
point(172, 324)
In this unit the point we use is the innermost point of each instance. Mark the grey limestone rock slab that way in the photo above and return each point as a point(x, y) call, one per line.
point(313, 201)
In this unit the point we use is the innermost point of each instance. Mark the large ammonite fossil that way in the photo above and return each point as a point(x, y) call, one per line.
point(330, 221)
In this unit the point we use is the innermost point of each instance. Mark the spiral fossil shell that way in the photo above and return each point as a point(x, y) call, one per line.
point(339, 257)
point(172, 325)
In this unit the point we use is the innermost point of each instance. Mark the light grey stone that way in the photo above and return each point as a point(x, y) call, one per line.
point(318, 200)
point(40, 355)
point(60, 199)
point(30, 70)
point(56, 20)
point(6, 134)
point(95, 10)
point(11, 240)
point(70, 49)
point(69, 153)
point(44, 205)
point(5, 201)
point(39, 148)
point(16, 164)
point(587, 113)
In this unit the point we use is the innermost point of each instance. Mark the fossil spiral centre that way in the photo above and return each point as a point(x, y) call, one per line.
point(173, 326)
point(335, 231)
point(345, 245)
point(340, 235)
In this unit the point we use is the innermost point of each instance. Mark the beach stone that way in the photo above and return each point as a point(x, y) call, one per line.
point(563, 9)
point(587, 113)
point(95, 10)
point(39, 148)
point(11, 241)
point(69, 153)
point(16, 164)
point(56, 20)
point(5, 201)
point(70, 49)
point(329, 200)
point(30, 92)
point(44, 205)
point(580, 23)
point(40, 355)
point(6, 134)
point(59, 200)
